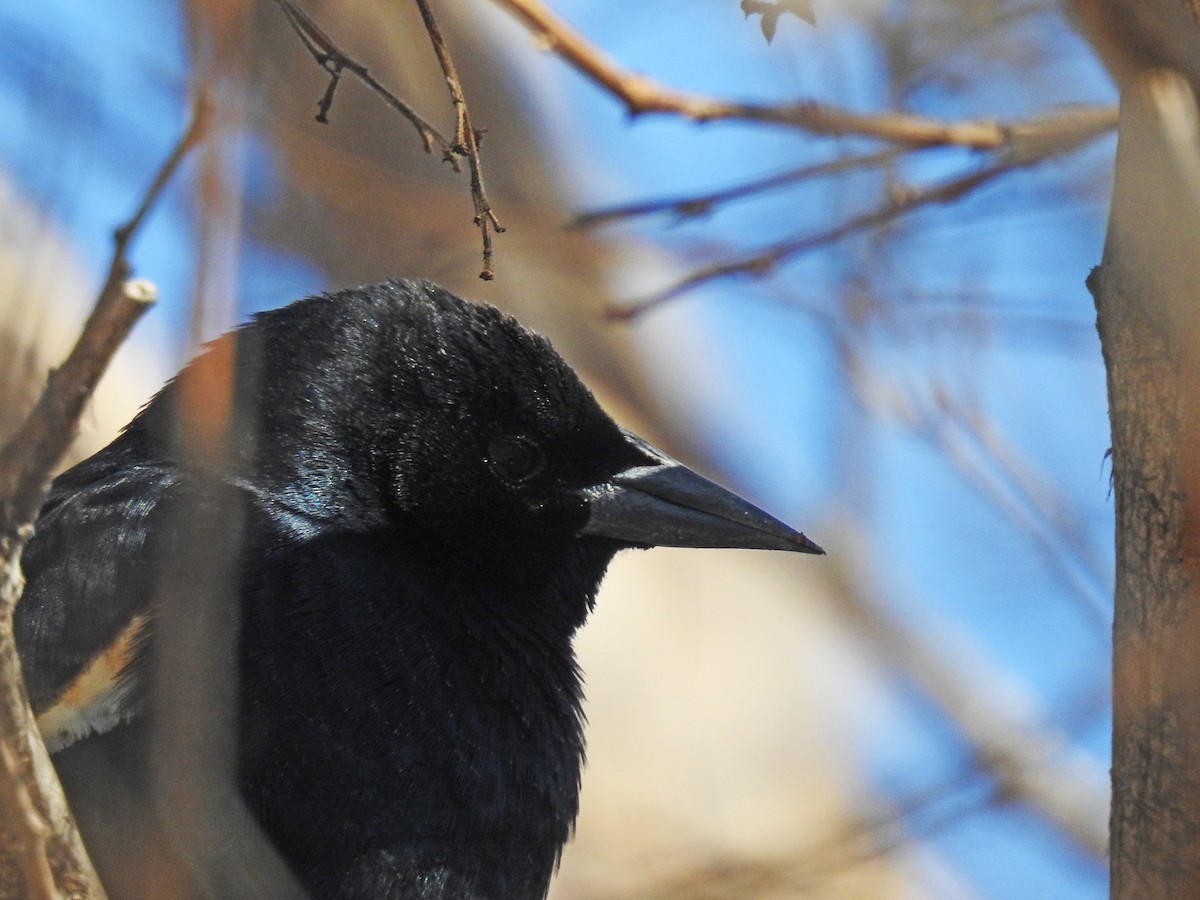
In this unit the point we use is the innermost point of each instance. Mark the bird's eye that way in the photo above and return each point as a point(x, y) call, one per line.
point(515, 459)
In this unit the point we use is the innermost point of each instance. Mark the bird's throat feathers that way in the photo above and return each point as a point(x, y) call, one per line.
point(446, 697)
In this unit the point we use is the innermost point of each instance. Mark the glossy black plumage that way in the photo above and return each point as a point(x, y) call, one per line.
point(430, 498)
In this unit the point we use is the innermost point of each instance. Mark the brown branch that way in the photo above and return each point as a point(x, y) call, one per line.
point(1149, 327)
point(691, 207)
point(330, 57)
point(765, 261)
point(33, 452)
point(17, 807)
point(466, 140)
point(119, 269)
point(642, 95)
point(26, 464)
point(30, 456)
point(1042, 140)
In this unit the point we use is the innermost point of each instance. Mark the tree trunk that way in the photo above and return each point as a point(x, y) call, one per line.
point(1148, 316)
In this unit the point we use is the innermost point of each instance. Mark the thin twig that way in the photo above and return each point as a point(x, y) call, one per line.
point(690, 207)
point(334, 60)
point(1043, 139)
point(33, 452)
point(119, 270)
point(642, 95)
point(26, 463)
point(765, 261)
point(466, 140)
point(465, 144)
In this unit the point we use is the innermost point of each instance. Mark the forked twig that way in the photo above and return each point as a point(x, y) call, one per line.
point(330, 57)
point(465, 144)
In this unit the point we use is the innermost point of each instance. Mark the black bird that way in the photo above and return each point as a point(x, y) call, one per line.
point(430, 497)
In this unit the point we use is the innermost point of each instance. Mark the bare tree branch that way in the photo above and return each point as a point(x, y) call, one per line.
point(17, 807)
point(466, 140)
point(702, 204)
point(763, 262)
point(1045, 139)
point(334, 60)
point(46, 832)
point(32, 453)
point(642, 95)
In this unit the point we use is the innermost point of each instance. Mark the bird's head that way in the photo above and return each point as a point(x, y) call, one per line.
point(399, 405)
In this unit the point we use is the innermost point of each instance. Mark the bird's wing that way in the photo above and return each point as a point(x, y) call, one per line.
point(83, 621)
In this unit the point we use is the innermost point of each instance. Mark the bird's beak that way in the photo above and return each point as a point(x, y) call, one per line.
point(666, 504)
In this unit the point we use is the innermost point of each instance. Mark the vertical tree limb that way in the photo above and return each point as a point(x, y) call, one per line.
point(38, 835)
point(1149, 323)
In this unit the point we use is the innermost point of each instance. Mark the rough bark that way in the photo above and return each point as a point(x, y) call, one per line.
point(1149, 324)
